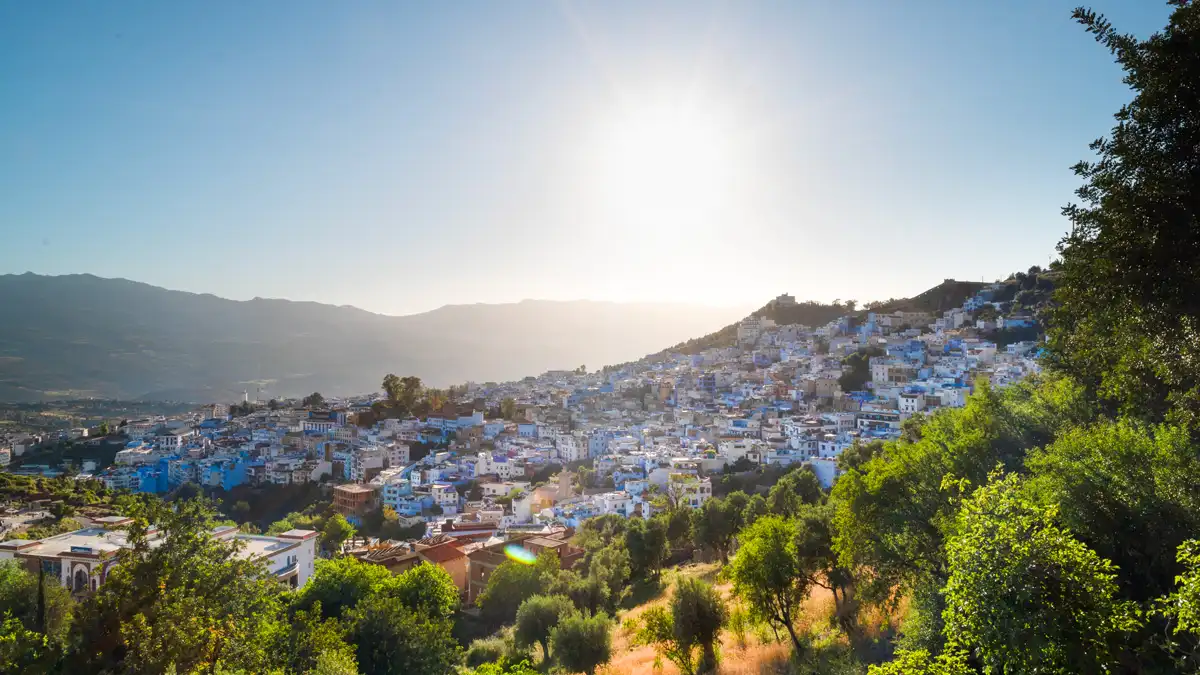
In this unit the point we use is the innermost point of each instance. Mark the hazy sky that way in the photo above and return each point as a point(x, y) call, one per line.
point(403, 156)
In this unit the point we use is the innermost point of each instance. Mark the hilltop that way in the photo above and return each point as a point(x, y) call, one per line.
point(946, 295)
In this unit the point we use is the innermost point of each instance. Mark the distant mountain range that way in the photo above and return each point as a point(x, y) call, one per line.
point(81, 335)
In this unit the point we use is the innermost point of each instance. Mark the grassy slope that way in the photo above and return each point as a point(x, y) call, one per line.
point(756, 656)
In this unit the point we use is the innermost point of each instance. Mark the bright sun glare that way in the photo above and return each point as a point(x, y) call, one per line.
point(666, 167)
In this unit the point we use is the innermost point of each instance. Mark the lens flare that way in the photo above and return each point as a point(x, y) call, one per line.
point(520, 554)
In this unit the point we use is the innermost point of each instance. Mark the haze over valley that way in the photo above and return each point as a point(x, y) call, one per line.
point(81, 335)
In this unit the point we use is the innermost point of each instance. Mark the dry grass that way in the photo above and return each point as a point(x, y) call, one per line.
point(758, 656)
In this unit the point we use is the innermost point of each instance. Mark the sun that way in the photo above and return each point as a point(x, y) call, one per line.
point(665, 165)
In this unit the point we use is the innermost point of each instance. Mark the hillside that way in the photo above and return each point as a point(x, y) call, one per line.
point(944, 296)
point(81, 335)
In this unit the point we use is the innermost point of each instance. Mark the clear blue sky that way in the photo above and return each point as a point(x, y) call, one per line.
point(401, 156)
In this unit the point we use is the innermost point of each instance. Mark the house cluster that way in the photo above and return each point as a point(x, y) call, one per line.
point(277, 447)
point(471, 555)
point(654, 432)
point(15, 444)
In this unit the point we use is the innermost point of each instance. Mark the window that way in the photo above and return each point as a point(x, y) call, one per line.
point(81, 580)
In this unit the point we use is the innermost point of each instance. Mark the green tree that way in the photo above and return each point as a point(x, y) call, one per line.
point(47, 611)
point(25, 651)
point(656, 628)
point(921, 663)
point(859, 453)
point(698, 614)
point(391, 387)
point(856, 371)
point(794, 489)
point(1127, 490)
point(891, 512)
point(1127, 320)
point(713, 527)
point(393, 639)
point(335, 532)
point(588, 593)
point(313, 400)
point(756, 508)
point(339, 584)
point(335, 663)
point(766, 573)
point(429, 589)
point(646, 541)
point(536, 618)
point(403, 393)
point(512, 583)
point(735, 507)
point(817, 560)
point(1025, 595)
point(679, 527)
point(312, 637)
point(582, 643)
point(1182, 608)
point(187, 601)
point(508, 409)
point(610, 566)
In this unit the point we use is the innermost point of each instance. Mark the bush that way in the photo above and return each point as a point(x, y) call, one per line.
point(486, 650)
point(582, 643)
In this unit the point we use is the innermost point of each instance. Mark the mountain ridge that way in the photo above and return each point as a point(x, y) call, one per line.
point(81, 335)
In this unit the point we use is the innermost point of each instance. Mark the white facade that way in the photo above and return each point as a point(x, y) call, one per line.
point(82, 559)
point(912, 402)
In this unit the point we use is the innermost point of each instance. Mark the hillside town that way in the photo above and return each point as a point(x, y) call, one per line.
point(567, 446)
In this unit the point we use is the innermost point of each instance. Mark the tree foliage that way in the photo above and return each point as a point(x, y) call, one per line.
point(581, 643)
point(1024, 595)
point(512, 583)
point(340, 583)
point(795, 489)
point(392, 638)
point(698, 615)
point(767, 574)
point(713, 526)
point(920, 662)
point(187, 602)
point(335, 532)
point(1128, 299)
point(536, 618)
point(646, 541)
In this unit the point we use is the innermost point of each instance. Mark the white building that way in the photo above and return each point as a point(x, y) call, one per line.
point(570, 448)
point(689, 490)
point(912, 402)
point(446, 497)
point(82, 560)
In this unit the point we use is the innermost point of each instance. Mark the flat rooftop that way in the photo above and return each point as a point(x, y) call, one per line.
point(255, 546)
